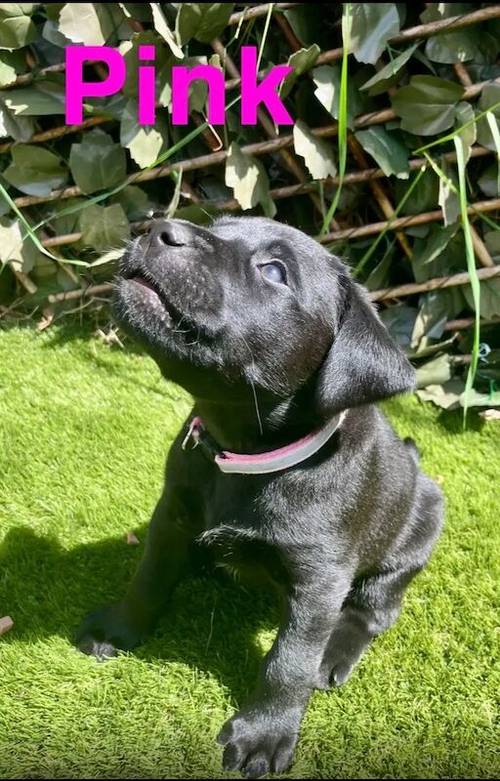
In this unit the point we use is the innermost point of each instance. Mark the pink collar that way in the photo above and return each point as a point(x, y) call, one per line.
point(260, 463)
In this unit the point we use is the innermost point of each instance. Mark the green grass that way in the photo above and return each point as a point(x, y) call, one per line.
point(83, 434)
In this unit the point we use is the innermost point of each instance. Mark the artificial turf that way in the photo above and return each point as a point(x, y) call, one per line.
point(84, 429)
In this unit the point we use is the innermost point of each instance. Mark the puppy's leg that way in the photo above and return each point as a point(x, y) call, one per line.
point(373, 606)
point(374, 603)
point(261, 738)
point(124, 625)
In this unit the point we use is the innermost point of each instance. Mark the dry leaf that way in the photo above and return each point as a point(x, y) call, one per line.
point(132, 539)
point(490, 414)
point(6, 624)
point(46, 319)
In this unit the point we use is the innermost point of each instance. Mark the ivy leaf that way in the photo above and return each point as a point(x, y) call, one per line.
point(434, 372)
point(385, 76)
point(104, 227)
point(134, 201)
point(18, 128)
point(464, 113)
point(7, 70)
point(327, 81)
point(492, 241)
point(34, 170)
point(446, 396)
point(301, 61)
point(11, 242)
point(448, 197)
point(427, 105)
point(16, 27)
point(316, 152)
point(97, 162)
point(162, 28)
point(488, 182)
point(92, 24)
point(399, 321)
point(457, 46)
point(490, 298)
point(427, 252)
point(43, 99)
point(143, 142)
point(130, 51)
point(388, 152)
point(490, 95)
point(372, 24)
point(248, 179)
point(203, 21)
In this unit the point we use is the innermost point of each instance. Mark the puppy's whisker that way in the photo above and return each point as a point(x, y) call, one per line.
point(252, 385)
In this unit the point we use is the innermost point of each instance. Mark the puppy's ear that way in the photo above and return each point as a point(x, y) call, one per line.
point(364, 363)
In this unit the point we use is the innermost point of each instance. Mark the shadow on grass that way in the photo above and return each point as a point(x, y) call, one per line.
point(211, 623)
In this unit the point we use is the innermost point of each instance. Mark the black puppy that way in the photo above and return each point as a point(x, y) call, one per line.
point(285, 468)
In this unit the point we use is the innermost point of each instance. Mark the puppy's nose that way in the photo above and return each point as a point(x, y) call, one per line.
point(170, 233)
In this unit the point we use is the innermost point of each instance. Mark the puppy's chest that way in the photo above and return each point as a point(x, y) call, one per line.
point(243, 540)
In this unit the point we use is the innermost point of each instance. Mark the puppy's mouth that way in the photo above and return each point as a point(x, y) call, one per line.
point(152, 296)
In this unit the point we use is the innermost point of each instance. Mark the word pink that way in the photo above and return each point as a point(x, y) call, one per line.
point(252, 94)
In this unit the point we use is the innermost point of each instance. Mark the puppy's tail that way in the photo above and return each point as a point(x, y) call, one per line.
point(412, 447)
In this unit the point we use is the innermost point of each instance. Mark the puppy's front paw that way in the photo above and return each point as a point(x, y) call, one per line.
point(107, 630)
point(260, 740)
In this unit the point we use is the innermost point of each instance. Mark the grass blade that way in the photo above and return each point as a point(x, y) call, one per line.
point(471, 267)
point(342, 130)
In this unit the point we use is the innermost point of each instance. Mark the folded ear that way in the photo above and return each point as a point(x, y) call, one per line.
point(364, 363)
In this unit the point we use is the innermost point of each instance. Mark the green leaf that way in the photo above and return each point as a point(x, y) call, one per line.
point(464, 115)
point(457, 46)
point(372, 25)
point(11, 242)
point(434, 372)
point(16, 27)
point(134, 201)
point(34, 170)
point(97, 163)
point(8, 72)
point(388, 152)
point(490, 298)
point(490, 97)
point(379, 277)
point(492, 241)
point(400, 321)
point(430, 250)
point(430, 322)
point(448, 195)
point(427, 105)
point(248, 179)
point(316, 152)
point(203, 21)
point(163, 62)
point(488, 182)
point(327, 80)
point(301, 61)
point(143, 142)
point(18, 128)
point(104, 227)
point(424, 195)
point(385, 76)
point(92, 24)
point(162, 28)
point(43, 99)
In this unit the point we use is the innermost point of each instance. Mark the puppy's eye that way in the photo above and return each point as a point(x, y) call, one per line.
point(274, 272)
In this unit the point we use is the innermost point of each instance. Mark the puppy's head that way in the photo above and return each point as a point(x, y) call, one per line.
point(254, 302)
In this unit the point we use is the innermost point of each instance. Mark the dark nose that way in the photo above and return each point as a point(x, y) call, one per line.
point(170, 233)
